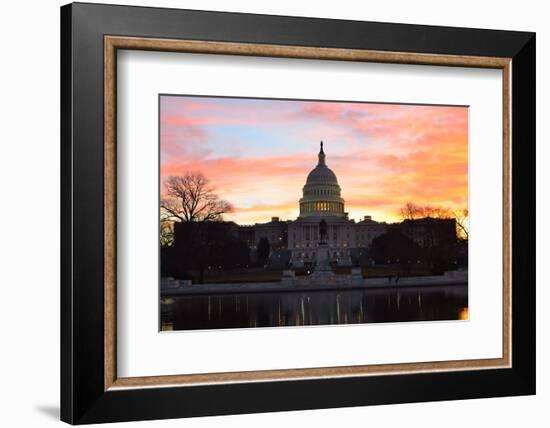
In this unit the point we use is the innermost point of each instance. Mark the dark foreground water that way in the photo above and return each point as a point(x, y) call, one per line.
point(314, 308)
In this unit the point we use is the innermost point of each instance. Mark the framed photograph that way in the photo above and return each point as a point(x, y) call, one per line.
point(266, 213)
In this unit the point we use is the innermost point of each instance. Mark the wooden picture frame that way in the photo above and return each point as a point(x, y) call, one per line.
point(91, 390)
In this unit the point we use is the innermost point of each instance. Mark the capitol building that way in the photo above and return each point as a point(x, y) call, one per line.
point(294, 243)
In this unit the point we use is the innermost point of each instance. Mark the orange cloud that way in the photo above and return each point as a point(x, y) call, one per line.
point(257, 153)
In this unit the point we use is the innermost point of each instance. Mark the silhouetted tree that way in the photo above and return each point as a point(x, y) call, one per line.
point(190, 198)
point(461, 219)
point(193, 234)
point(263, 251)
point(411, 211)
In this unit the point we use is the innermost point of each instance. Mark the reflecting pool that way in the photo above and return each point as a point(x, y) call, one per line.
point(299, 308)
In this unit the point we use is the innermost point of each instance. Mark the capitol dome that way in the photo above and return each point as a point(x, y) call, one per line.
point(321, 174)
point(321, 193)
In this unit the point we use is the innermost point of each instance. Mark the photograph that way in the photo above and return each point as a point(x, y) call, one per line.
point(282, 212)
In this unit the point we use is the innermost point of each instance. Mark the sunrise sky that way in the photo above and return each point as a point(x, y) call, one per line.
point(257, 153)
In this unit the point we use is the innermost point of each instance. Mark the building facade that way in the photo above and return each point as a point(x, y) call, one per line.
point(368, 229)
point(294, 243)
point(275, 231)
point(430, 232)
point(321, 199)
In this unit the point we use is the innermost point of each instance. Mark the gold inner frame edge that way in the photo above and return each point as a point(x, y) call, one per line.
point(113, 43)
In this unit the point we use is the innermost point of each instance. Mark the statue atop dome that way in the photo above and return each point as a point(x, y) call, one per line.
point(321, 156)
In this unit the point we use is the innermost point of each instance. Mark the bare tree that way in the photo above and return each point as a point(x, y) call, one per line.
point(191, 199)
point(461, 219)
point(436, 212)
point(410, 211)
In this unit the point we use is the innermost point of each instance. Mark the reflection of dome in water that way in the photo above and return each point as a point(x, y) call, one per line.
point(321, 193)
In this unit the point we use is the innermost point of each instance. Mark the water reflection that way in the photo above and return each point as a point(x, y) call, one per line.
point(314, 308)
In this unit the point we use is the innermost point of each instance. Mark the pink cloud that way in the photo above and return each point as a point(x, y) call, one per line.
point(383, 154)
